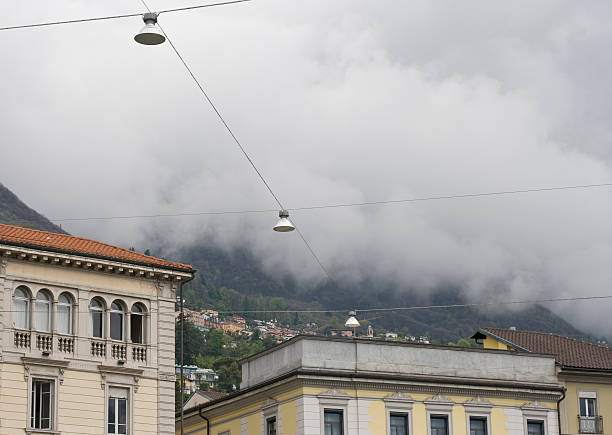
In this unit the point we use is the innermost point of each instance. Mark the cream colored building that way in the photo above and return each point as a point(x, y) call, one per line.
point(336, 386)
point(86, 336)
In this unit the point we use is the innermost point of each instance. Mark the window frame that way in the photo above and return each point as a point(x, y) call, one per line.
point(404, 415)
point(129, 406)
point(588, 395)
point(439, 415)
point(53, 411)
point(49, 307)
point(271, 420)
point(440, 406)
point(536, 413)
point(142, 314)
point(336, 411)
point(102, 311)
point(399, 403)
point(535, 420)
point(334, 400)
point(121, 312)
point(478, 408)
point(487, 430)
point(70, 306)
point(27, 298)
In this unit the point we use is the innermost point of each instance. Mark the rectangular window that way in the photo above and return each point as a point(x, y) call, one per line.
point(136, 328)
point(439, 425)
point(116, 326)
point(587, 407)
point(333, 422)
point(41, 409)
point(398, 424)
point(535, 427)
point(478, 426)
point(97, 324)
point(118, 411)
point(271, 426)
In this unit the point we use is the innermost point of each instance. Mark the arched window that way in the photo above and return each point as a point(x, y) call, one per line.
point(64, 314)
point(137, 324)
point(116, 321)
point(96, 310)
point(21, 308)
point(42, 311)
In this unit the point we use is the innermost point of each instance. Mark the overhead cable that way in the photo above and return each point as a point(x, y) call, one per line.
point(390, 309)
point(326, 206)
point(242, 148)
point(113, 17)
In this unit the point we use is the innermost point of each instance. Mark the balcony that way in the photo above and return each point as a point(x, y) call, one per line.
point(590, 424)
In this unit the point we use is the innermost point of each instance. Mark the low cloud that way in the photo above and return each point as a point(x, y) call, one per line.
point(336, 102)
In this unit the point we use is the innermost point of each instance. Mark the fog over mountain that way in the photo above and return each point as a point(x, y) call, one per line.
point(343, 101)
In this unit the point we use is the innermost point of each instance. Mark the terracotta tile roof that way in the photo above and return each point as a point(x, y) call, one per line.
point(569, 352)
point(212, 395)
point(19, 236)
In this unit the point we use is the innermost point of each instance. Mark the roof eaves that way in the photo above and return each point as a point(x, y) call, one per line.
point(98, 256)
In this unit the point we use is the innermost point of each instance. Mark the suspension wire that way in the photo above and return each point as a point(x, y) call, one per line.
point(243, 150)
point(113, 17)
point(221, 118)
point(326, 206)
point(385, 309)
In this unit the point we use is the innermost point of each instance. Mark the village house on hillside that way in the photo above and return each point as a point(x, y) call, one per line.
point(584, 369)
point(87, 336)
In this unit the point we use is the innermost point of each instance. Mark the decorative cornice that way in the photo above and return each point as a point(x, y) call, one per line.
point(45, 362)
point(85, 262)
point(120, 370)
point(478, 401)
point(439, 399)
point(535, 406)
point(333, 393)
point(398, 397)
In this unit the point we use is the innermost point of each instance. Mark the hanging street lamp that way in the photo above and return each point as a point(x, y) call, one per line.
point(150, 34)
point(284, 225)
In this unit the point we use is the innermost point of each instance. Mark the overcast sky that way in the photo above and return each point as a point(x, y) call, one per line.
point(342, 101)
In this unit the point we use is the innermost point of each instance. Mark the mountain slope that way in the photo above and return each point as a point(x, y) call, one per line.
point(14, 212)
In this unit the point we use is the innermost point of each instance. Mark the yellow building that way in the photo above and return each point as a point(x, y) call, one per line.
point(86, 336)
point(584, 369)
point(335, 386)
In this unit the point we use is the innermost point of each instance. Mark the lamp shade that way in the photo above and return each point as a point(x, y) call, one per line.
point(150, 34)
point(352, 322)
point(284, 225)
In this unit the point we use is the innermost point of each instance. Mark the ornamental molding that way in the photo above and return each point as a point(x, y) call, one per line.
point(439, 399)
point(334, 393)
point(535, 406)
point(506, 392)
point(89, 263)
point(398, 397)
point(479, 401)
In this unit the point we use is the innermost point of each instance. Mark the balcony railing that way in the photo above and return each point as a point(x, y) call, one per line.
point(590, 424)
point(22, 339)
point(65, 344)
point(118, 351)
point(98, 348)
point(44, 342)
point(139, 353)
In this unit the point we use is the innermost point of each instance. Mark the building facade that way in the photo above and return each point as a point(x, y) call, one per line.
point(86, 336)
point(313, 385)
point(584, 369)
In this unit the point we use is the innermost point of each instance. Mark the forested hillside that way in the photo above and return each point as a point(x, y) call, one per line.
point(14, 212)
